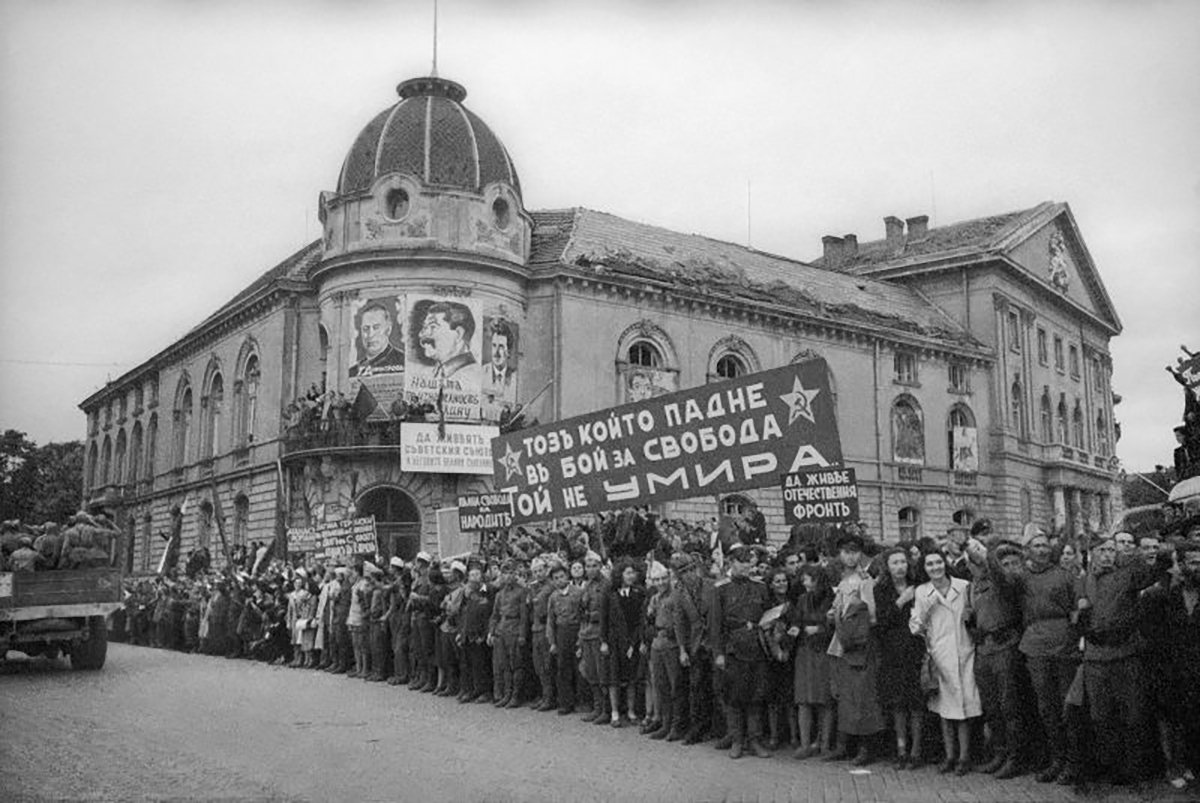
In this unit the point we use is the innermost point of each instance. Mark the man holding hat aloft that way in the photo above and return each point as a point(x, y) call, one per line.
point(738, 605)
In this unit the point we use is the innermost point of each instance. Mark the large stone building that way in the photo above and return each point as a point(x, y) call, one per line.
point(969, 362)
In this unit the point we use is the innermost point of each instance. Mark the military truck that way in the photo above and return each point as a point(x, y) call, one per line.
point(65, 611)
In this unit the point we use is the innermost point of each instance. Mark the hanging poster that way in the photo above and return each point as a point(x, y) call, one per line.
point(641, 383)
point(966, 449)
point(459, 449)
point(444, 340)
point(377, 354)
point(501, 338)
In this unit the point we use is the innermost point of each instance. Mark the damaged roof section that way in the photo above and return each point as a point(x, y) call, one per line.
point(603, 244)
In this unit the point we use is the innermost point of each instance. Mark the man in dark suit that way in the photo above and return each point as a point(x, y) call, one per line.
point(375, 334)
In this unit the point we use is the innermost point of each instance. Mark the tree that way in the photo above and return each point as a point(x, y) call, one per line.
point(39, 483)
point(1139, 490)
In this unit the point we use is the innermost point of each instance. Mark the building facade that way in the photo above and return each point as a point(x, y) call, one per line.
point(436, 308)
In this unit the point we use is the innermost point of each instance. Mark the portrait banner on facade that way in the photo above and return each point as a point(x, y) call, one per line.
point(444, 358)
point(464, 448)
point(820, 496)
point(641, 383)
point(377, 354)
point(335, 539)
point(501, 339)
point(485, 511)
point(728, 436)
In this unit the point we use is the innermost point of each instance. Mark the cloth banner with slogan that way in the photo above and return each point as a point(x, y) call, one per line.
point(715, 439)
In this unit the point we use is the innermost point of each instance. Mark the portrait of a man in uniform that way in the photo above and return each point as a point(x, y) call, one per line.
point(445, 338)
point(377, 351)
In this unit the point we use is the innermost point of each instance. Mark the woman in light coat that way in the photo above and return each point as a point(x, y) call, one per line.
point(937, 615)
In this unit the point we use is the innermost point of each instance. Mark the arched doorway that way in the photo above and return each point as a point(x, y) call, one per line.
point(397, 521)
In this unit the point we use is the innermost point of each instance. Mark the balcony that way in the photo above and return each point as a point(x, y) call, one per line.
point(344, 434)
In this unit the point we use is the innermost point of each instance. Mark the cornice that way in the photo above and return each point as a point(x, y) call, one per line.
point(758, 313)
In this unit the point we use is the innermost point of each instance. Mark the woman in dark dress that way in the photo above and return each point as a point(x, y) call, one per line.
point(811, 690)
point(778, 698)
point(621, 633)
point(901, 654)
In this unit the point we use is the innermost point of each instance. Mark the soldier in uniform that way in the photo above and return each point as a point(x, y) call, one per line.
point(594, 664)
point(563, 612)
point(543, 663)
point(419, 607)
point(738, 605)
point(341, 633)
point(476, 686)
point(377, 628)
point(506, 635)
point(398, 624)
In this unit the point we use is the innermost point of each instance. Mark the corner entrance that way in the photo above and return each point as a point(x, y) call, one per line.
point(397, 521)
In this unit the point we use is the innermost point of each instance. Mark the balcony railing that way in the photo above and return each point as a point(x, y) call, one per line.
point(341, 435)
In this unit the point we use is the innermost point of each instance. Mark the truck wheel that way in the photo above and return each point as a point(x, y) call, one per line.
point(90, 654)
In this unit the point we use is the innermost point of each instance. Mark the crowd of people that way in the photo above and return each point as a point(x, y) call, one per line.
point(1069, 661)
point(87, 542)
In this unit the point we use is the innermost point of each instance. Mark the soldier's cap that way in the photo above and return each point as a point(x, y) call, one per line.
point(396, 562)
point(537, 563)
point(681, 561)
point(342, 570)
point(458, 566)
point(25, 540)
point(1006, 550)
point(657, 571)
point(740, 553)
point(302, 572)
point(1030, 532)
point(981, 526)
point(424, 556)
point(851, 541)
point(592, 556)
point(508, 565)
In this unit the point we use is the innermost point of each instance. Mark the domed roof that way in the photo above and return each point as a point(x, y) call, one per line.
point(432, 136)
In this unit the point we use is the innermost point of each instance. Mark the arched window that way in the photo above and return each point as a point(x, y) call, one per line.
point(1063, 433)
point(118, 477)
point(910, 524)
point(962, 439)
point(1077, 435)
point(908, 431)
point(106, 462)
point(1102, 436)
point(1026, 506)
point(645, 354)
point(964, 517)
point(135, 452)
point(730, 367)
point(247, 400)
point(183, 426)
point(91, 466)
point(214, 401)
point(1017, 412)
point(734, 505)
point(1047, 418)
point(241, 518)
point(323, 346)
point(151, 445)
point(206, 523)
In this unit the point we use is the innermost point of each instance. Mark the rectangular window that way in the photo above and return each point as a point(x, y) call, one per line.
point(1043, 351)
point(1014, 331)
point(1097, 374)
point(905, 367)
point(1074, 352)
point(1059, 365)
point(959, 378)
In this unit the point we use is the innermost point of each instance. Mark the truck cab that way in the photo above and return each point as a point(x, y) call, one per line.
point(45, 613)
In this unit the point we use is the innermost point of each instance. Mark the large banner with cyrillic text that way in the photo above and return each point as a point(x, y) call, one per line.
point(715, 439)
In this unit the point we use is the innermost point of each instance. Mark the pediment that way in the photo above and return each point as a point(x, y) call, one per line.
point(1053, 252)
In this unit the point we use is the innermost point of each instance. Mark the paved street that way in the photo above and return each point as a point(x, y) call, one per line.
point(164, 725)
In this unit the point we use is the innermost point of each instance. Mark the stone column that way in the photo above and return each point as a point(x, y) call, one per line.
point(1076, 512)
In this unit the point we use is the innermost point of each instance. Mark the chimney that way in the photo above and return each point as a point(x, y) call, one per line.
point(849, 247)
point(894, 227)
point(833, 250)
point(918, 227)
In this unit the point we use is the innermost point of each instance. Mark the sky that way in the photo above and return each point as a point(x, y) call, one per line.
point(157, 157)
